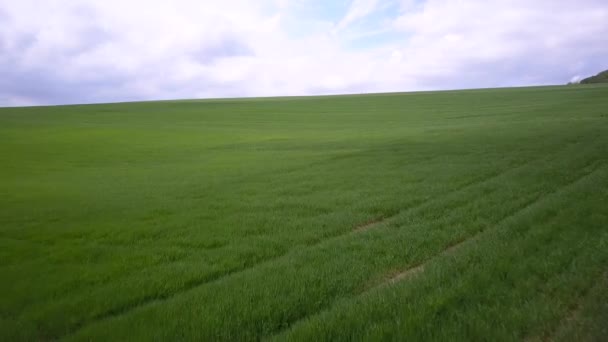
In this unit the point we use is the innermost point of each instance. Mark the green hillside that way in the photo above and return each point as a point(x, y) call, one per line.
point(602, 77)
point(457, 215)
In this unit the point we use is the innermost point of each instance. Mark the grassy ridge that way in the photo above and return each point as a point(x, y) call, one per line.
point(303, 217)
point(602, 77)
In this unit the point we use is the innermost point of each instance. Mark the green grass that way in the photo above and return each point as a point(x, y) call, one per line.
point(460, 215)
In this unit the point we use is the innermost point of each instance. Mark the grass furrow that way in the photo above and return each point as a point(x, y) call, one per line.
point(345, 254)
point(478, 290)
point(417, 269)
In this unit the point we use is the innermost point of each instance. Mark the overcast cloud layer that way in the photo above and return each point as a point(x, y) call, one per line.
point(62, 51)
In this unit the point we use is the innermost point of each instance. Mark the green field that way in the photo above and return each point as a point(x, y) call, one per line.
point(458, 215)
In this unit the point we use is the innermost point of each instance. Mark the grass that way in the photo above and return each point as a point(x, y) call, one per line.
point(460, 215)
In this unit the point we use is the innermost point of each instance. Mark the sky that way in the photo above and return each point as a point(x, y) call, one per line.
point(89, 51)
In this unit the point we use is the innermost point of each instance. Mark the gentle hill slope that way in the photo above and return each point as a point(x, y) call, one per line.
point(460, 215)
point(602, 77)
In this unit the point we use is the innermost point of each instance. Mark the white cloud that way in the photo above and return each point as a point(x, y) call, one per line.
point(92, 51)
point(576, 79)
point(358, 9)
point(509, 42)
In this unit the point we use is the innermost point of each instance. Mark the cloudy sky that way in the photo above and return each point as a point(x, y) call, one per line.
point(82, 51)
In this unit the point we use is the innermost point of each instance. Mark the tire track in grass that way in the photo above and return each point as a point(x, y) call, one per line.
point(568, 319)
point(147, 300)
point(572, 315)
point(189, 286)
point(218, 276)
point(418, 269)
point(374, 223)
point(385, 219)
point(454, 246)
point(370, 224)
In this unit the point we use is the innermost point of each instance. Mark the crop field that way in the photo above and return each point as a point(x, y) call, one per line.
point(456, 215)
